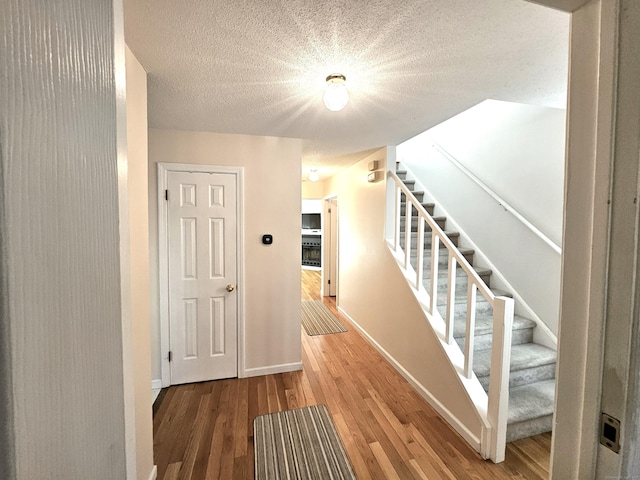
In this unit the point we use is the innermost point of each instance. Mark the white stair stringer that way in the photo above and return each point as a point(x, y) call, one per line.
point(476, 394)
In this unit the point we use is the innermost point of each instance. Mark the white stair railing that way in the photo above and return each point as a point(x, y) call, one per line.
point(494, 413)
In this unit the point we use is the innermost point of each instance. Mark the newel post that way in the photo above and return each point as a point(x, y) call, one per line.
point(498, 406)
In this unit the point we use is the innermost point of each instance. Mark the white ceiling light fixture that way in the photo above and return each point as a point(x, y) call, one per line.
point(336, 95)
point(313, 175)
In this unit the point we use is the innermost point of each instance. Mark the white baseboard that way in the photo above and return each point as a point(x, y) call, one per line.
point(156, 384)
point(459, 427)
point(270, 370)
point(154, 473)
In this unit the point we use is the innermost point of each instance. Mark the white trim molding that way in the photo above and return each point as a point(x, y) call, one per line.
point(272, 369)
point(154, 473)
point(163, 264)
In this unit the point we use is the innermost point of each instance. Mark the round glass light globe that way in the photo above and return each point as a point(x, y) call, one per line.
point(336, 95)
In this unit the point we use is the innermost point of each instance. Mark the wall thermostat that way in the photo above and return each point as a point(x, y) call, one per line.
point(267, 239)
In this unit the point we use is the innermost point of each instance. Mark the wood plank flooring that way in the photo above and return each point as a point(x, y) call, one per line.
point(205, 430)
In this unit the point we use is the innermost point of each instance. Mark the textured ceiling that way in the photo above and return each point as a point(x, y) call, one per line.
point(259, 66)
point(564, 5)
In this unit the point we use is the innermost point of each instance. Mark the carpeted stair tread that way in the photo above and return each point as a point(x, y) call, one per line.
point(479, 270)
point(461, 298)
point(461, 284)
point(419, 194)
point(427, 206)
point(443, 257)
point(529, 428)
point(484, 325)
point(522, 331)
point(531, 401)
point(530, 355)
point(440, 221)
point(453, 236)
point(483, 307)
point(443, 254)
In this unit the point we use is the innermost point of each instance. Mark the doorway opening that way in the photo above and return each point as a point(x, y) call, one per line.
point(330, 245)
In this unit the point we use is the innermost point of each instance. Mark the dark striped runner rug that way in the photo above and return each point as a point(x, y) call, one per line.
point(317, 319)
point(299, 444)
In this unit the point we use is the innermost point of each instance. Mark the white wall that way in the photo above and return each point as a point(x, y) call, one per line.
point(532, 183)
point(312, 189)
point(61, 112)
point(137, 157)
point(311, 205)
point(518, 152)
point(272, 204)
point(374, 293)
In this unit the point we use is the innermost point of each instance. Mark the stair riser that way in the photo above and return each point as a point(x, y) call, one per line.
point(419, 197)
point(461, 280)
point(443, 257)
point(529, 428)
point(483, 342)
point(443, 260)
point(429, 207)
point(443, 283)
point(460, 313)
point(461, 299)
point(427, 239)
point(525, 376)
point(414, 224)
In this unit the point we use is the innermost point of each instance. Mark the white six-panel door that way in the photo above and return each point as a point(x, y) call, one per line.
point(202, 229)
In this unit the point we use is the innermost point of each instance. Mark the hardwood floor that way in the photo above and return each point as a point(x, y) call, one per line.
point(205, 430)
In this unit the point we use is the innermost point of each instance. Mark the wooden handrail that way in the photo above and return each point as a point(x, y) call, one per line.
point(503, 203)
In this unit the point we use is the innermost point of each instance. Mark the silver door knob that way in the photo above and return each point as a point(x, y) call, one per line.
point(231, 288)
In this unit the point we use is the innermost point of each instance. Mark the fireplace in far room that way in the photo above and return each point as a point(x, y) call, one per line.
point(311, 248)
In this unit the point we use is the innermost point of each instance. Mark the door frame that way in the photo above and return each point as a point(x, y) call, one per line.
point(163, 258)
point(327, 251)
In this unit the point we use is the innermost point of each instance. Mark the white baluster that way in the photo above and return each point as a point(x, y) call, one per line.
point(407, 231)
point(398, 213)
point(420, 253)
point(469, 338)
point(451, 298)
point(435, 253)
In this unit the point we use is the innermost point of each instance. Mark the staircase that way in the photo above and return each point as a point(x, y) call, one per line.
point(532, 366)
